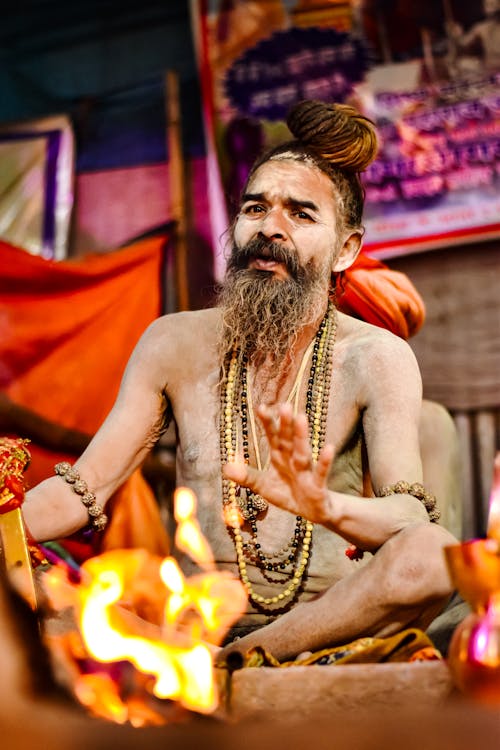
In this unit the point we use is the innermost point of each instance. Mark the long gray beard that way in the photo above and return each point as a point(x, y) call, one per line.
point(262, 315)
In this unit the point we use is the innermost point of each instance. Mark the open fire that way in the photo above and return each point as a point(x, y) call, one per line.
point(145, 633)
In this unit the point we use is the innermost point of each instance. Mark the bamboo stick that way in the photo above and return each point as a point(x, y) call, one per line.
point(465, 438)
point(176, 171)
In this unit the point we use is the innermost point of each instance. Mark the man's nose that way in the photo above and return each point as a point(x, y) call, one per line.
point(273, 226)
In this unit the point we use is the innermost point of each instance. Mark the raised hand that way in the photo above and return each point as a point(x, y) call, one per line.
point(292, 481)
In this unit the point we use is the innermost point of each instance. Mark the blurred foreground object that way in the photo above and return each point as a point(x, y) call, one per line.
point(474, 654)
point(141, 632)
point(14, 458)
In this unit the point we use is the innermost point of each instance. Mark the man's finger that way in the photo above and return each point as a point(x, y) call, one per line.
point(268, 421)
point(285, 426)
point(324, 462)
point(242, 474)
point(302, 461)
point(265, 413)
point(301, 446)
point(301, 427)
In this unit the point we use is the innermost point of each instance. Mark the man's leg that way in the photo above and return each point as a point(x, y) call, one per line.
point(405, 584)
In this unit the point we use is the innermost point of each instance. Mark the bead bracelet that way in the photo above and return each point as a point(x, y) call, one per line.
point(417, 490)
point(97, 518)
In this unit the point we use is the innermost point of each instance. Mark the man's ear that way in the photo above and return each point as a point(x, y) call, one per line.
point(349, 251)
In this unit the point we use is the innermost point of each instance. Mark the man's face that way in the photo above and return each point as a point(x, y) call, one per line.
point(292, 205)
point(491, 7)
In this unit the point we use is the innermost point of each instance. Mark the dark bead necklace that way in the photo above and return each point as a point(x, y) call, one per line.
point(291, 560)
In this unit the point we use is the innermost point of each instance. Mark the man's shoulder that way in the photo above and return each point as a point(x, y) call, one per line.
point(364, 339)
point(180, 339)
point(377, 361)
point(480, 29)
point(188, 326)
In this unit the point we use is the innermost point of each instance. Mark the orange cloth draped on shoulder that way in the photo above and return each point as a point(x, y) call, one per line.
point(375, 293)
point(67, 330)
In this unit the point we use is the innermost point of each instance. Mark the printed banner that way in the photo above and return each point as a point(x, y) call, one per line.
point(436, 178)
point(428, 77)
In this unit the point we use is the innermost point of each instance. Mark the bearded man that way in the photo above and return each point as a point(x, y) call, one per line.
point(338, 402)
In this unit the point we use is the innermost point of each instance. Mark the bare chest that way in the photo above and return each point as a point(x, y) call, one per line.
point(196, 407)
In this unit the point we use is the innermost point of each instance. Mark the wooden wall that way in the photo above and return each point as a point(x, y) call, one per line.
point(458, 350)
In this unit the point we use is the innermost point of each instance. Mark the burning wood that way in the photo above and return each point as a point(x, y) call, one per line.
point(144, 631)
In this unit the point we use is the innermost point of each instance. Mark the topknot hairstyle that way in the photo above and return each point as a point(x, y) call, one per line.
point(338, 140)
point(337, 132)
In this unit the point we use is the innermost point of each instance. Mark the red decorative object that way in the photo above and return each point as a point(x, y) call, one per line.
point(14, 458)
point(354, 553)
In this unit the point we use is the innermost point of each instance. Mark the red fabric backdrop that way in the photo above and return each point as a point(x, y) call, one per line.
point(67, 330)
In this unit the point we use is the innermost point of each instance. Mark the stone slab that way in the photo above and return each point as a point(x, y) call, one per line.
point(296, 694)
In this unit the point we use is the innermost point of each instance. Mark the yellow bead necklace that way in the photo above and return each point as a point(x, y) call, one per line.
point(240, 506)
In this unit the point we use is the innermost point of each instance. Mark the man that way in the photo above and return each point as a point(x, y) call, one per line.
point(293, 521)
point(478, 49)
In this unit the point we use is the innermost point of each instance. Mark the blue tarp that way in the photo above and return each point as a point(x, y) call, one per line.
point(103, 63)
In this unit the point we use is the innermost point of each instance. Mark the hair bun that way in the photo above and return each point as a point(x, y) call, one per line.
point(337, 132)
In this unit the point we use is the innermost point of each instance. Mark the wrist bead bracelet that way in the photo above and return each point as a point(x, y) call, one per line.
point(97, 518)
point(416, 489)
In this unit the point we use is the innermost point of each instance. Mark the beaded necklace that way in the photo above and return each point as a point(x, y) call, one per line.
point(241, 505)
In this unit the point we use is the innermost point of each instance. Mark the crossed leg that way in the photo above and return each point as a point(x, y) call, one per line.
point(405, 584)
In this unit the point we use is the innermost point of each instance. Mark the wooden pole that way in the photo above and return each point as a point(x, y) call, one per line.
point(448, 11)
point(425, 35)
point(176, 171)
point(383, 37)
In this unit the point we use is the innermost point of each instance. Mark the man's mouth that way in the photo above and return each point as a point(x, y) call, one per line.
point(259, 255)
point(264, 264)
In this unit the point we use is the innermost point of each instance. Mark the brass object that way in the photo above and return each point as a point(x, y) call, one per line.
point(474, 653)
point(14, 553)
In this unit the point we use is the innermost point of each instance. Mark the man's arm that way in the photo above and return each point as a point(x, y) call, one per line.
point(467, 41)
point(52, 509)
point(390, 398)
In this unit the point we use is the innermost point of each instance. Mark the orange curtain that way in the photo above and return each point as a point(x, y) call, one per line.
point(67, 330)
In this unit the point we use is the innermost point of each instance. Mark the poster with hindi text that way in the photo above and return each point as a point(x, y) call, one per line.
point(427, 73)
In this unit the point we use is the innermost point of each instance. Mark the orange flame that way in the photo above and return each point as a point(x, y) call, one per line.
point(186, 618)
point(188, 536)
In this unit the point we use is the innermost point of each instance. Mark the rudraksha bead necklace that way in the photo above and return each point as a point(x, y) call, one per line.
point(241, 505)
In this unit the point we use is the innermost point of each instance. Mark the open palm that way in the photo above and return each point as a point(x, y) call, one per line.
point(292, 481)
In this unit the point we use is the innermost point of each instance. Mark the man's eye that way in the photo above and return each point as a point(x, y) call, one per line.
point(303, 215)
point(253, 209)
